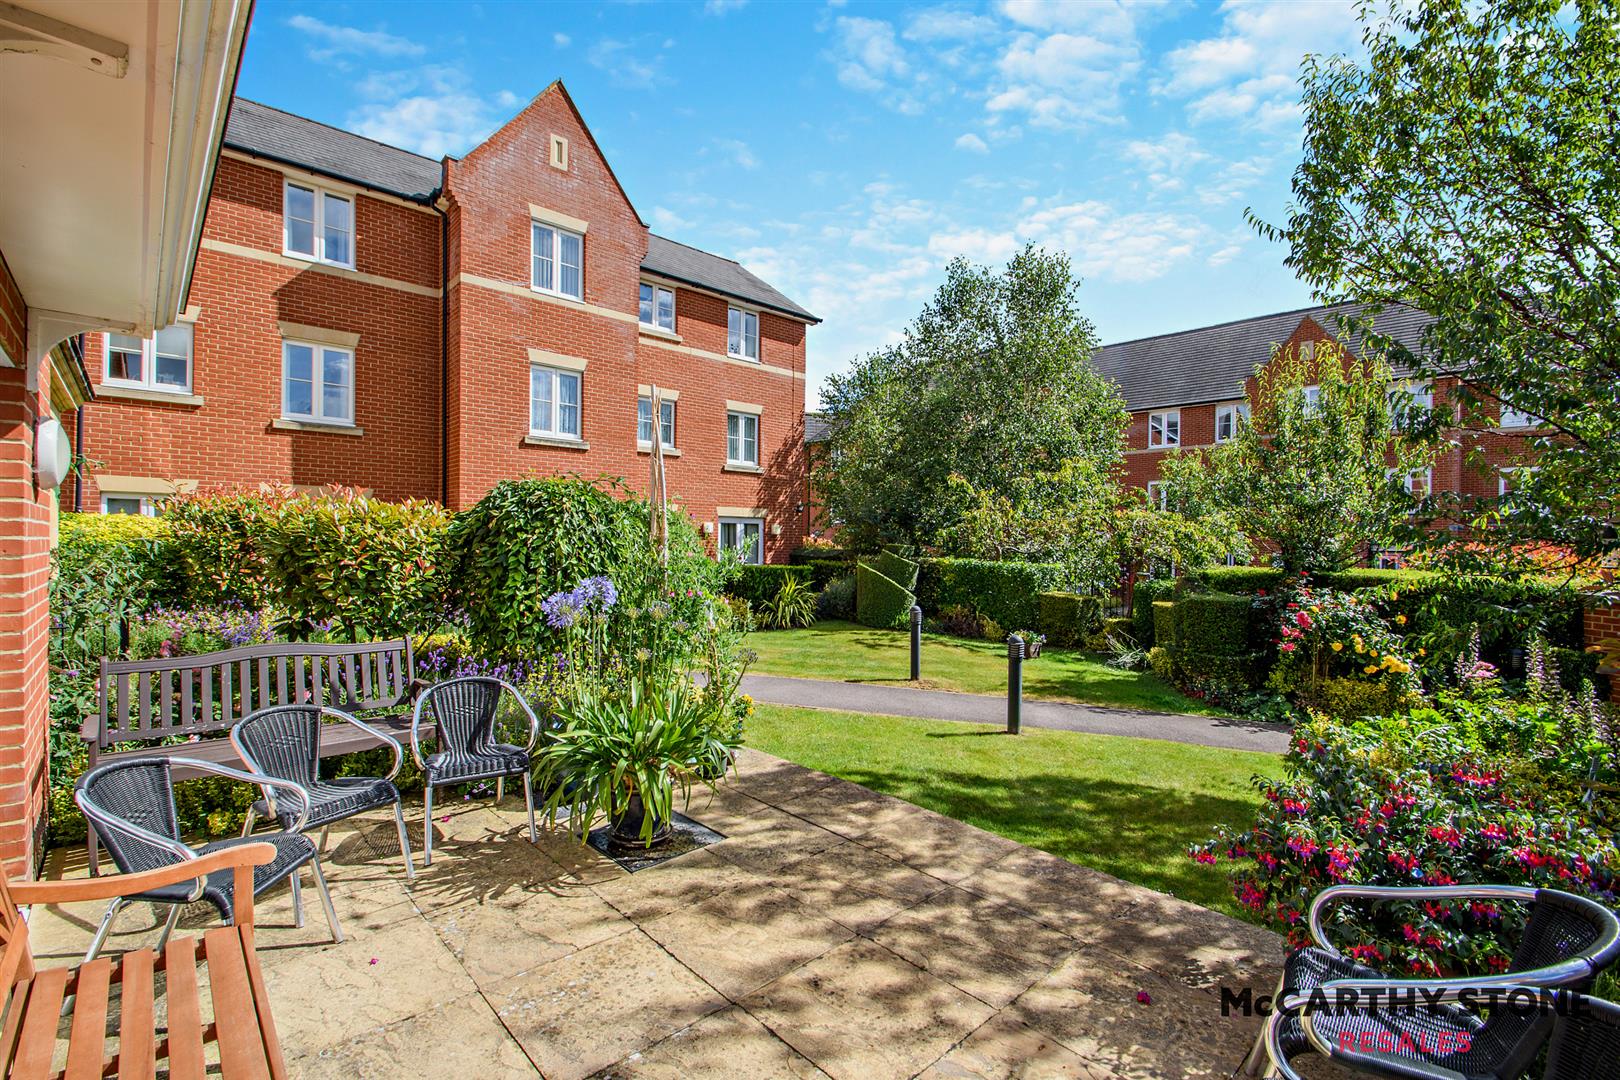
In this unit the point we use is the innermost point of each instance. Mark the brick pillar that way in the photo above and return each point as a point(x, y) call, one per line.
point(25, 544)
point(1603, 624)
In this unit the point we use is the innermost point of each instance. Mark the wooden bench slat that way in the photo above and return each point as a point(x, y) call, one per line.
point(185, 1041)
point(137, 1042)
point(261, 1003)
point(122, 682)
point(241, 1050)
point(264, 682)
point(38, 1041)
point(87, 1038)
point(15, 1011)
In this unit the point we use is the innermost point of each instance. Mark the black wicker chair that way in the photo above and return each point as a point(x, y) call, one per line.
point(1581, 1034)
point(284, 741)
point(130, 805)
point(464, 712)
point(1568, 940)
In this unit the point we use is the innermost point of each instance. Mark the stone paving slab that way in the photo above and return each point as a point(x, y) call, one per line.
point(836, 932)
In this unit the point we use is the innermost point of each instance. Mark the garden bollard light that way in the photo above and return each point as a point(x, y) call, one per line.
point(916, 642)
point(1015, 684)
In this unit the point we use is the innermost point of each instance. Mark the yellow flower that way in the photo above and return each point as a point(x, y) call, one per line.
point(1395, 594)
point(1337, 646)
point(1360, 648)
point(1423, 652)
point(1370, 668)
point(1400, 620)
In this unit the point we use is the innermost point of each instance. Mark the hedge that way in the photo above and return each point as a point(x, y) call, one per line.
point(759, 584)
point(1217, 624)
point(1164, 623)
point(897, 568)
point(1226, 673)
point(1124, 628)
point(1143, 595)
point(879, 601)
point(1232, 579)
point(1008, 592)
point(1069, 618)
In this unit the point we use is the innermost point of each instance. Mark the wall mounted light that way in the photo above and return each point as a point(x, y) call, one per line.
point(53, 454)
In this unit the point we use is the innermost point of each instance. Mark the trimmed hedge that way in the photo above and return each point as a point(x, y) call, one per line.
point(1226, 673)
point(1215, 624)
point(758, 584)
point(1232, 579)
point(898, 569)
point(1164, 623)
point(1069, 618)
point(879, 601)
point(1119, 628)
point(1143, 596)
point(1008, 592)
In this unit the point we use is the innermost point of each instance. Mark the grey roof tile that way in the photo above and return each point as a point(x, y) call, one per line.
point(817, 428)
point(1211, 363)
point(266, 132)
point(668, 258)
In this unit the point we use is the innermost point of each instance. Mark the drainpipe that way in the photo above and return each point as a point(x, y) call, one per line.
point(444, 348)
point(78, 467)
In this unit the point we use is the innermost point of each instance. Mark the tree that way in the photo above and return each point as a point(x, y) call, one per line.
point(1319, 477)
point(991, 384)
point(1468, 168)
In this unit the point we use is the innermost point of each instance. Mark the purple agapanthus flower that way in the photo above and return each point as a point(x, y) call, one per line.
point(598, 591)
point(561, 609)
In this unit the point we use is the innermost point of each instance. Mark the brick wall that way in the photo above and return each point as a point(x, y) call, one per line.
point(1603, 624)
point(25, 541)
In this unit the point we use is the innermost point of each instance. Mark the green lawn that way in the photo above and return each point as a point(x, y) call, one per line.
point(1128, 807)
point(850, 652)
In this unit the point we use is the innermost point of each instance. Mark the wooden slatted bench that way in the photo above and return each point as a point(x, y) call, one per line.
point(33, 998)
point(146, 707)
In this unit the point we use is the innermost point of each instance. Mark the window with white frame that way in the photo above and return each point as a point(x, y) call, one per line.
point(317, 383)
point(1164, 428)
point(657, 307)
point(1408, 402)
point(129, 504)
point(161, 362)
point(742, 334)
point(745, 536)
point(644, 428)
point(1514, 477)
point(557, 261)
point(742, 439)
point(1389, 559)
point(1227, 419)
point(318, 224)
point(1516, 418)
point(1157, 496)
point(554, 402)
point(1313, 398)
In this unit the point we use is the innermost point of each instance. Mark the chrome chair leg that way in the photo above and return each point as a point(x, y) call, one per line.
point(1257, 1059)
point(528, 797)
point(500, 788)
point(169, 924)
point(404, 843)
point(326, 900)
point(104, 929)
point(427, 829)
point(298, 902)
point(248, 822)
point(321, 846)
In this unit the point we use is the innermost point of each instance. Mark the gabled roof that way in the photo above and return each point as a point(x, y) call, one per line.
point(688, 265)
point(817, 428)
point(1213, 363)
point(294, 140)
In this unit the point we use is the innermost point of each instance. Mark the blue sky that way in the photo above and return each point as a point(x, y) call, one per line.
point(846, 151)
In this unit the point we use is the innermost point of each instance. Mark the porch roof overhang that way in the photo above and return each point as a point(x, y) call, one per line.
point(111, 117)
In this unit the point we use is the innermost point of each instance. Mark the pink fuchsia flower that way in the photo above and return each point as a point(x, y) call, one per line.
point(1494, 833)
point(1295, 806)
point(1481, 910)
point(1303, 848)
point(1250, 896)
point(1367, 954)
point(1446, 835)
point(1205, 857)
point(1287, 646)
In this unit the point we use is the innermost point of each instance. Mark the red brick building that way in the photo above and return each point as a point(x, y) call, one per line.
point(361, 315)
point(1189, 389)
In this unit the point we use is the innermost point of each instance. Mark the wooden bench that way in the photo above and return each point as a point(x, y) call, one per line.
point(146, 707)
point(34, 999)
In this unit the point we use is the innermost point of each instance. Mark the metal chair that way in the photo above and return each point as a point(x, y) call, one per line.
point(1568, 940)
point(284, 741)
point(130, 805)
point(464, 712)
point(1582, 1036)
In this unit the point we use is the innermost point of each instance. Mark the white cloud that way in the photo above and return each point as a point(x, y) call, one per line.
point(738, 152)
point(723, 7)
point(668, 220)
point(1224, 255)
point(507, 100)
point(1113, 18)
point(868, 55)
point(348, 40)
point(431, 110)
point(948, 24)
point(1064, 80)
point(1169, 152)
point(624, 68)
point(972, 143)
point(561, 40)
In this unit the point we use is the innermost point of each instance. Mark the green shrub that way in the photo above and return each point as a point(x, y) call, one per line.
point(215, 545)
point(879, 601)
point(759, 584)
point(105, 569)
point(836, 600)
point(1164, 623)
point(820, 572)
point(1068, 618)
point(1217, 676)
point(1007, 592)
point(528, 539)
point(793, 606)
point(1163, 663)
point(897, 568)
point(1120, 629)
point(1143, 595)
point(1346, 698)
point(1216, 624)
point(1233, 579)
point(1372, 578)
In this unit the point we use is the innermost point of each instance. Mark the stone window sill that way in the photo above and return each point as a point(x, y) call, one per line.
point(551, 440)
point(752, 469)
point(162, 397)
point(646, 448)
point(283, 424)
point(660, 333)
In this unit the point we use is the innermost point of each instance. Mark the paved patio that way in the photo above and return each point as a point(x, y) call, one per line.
point(835, 932)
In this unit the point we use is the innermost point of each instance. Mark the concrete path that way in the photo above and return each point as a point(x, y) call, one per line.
point(984, 709)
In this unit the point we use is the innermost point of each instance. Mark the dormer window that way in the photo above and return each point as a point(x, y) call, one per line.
point(657, 307)
point(742, 334)
point(317, 225)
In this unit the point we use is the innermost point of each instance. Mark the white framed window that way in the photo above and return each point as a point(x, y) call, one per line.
point(556, 261)
point(1389, 559)
point(317, 224)
point(1515, 418)
point(657, 307)
point(129, 504)
point(742, 439)
point(1420, 484)
point(1511, 477)
point(742, 334)
point(745, 536)
point(644, 429)
point(554, 402)
point(1313, 398)
point(1157, 496)
point(161, 362)
point(1164, 428)
point(317, 383)
point(1227, 419)
point(1409, 401)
